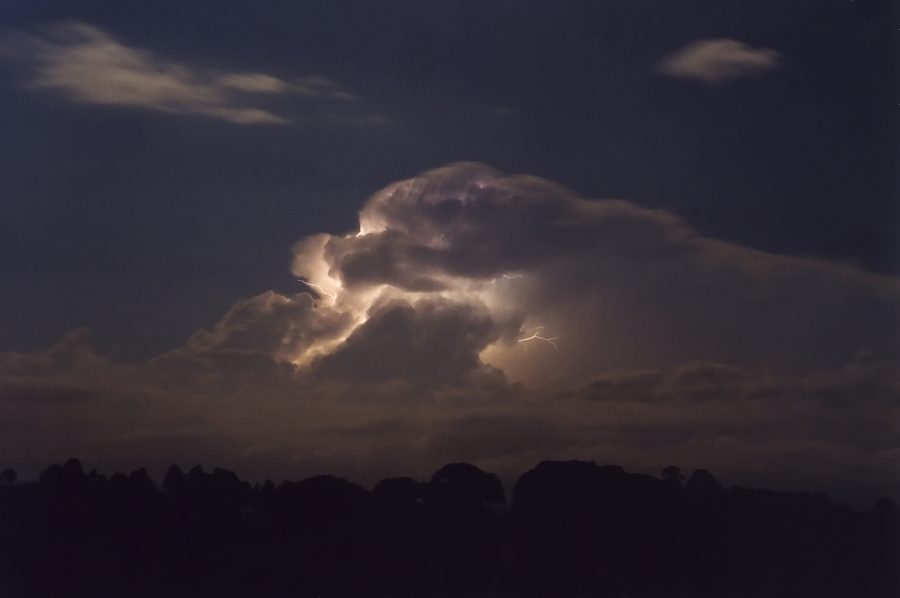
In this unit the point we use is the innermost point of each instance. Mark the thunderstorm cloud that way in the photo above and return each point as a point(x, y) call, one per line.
point(405, 347)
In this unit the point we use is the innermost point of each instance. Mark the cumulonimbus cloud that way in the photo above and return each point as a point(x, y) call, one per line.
point(621, 286)
point(86, 64)
point(475, 315)
point(718, 60)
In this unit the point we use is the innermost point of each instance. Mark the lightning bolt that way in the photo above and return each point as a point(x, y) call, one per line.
point(537, 337)
point(318, 289)
point(507, 276)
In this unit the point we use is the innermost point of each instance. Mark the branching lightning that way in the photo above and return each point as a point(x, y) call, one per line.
point(318, 289)
point(508, 276)
point(535, 336)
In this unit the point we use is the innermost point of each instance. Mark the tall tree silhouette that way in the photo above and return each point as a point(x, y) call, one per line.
point(9, 477)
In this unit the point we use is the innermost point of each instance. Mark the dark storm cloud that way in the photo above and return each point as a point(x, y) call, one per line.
point(855, 385)
point(699, 381)
point(43, 394)
point(637, 385)
point(429, 344)
point(497, 436)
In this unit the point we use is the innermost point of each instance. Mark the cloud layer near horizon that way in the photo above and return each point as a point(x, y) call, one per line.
point(502, 320)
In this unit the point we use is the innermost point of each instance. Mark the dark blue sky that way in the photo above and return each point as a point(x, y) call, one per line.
point(144, 225)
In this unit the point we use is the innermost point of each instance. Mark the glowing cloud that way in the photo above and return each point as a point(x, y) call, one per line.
point(526, 249)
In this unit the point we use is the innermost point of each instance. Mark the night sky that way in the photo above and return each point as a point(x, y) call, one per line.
point(641, 232)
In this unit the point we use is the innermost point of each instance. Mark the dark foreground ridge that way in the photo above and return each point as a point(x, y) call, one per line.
point(572, 529)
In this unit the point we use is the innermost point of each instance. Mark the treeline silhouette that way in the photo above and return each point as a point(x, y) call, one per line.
point(571, 529)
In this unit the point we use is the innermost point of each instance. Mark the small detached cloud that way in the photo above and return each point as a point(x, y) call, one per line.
point(718, 60)
point(86, 64)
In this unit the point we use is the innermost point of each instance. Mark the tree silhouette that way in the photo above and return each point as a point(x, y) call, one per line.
point(572, 528)
point(464, 486)
point(703, 482)
point(174, 482)
point(673, 475)
point(9, 477)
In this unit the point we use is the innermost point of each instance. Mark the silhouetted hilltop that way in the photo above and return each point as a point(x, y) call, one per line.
point(571, 529)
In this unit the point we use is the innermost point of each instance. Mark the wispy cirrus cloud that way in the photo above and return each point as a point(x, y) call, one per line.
point(718, 60)
point(86, 64)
